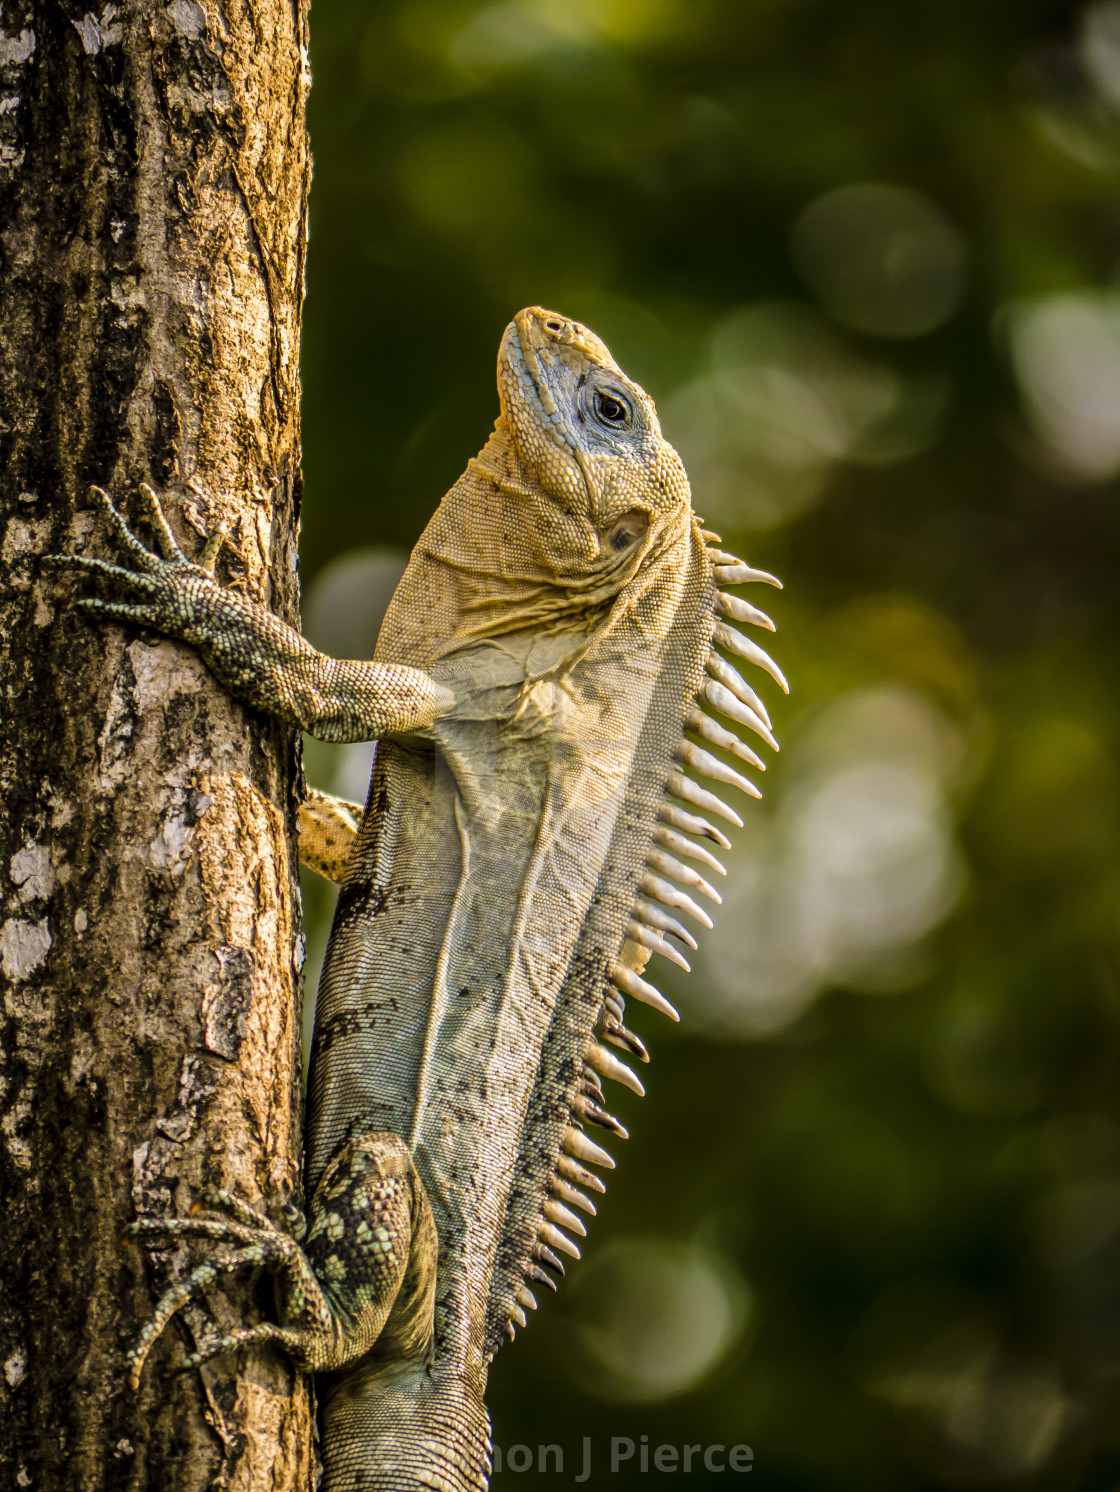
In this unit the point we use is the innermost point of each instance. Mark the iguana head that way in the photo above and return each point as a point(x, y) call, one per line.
point(571, 500)
point(587, 434)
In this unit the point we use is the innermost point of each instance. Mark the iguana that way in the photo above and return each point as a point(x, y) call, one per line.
point(549, 653)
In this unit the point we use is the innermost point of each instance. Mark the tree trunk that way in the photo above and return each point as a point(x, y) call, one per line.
point(153, 188)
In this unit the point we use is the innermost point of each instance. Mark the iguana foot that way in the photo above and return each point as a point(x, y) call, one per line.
point(255, 655)
point(165, 585)
point(361, 1272)
point(260, 1243)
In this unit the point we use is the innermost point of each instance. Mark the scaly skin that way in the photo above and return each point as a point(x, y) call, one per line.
point(543, 656)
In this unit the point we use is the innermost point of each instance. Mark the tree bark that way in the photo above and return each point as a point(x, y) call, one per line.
point(153, 189)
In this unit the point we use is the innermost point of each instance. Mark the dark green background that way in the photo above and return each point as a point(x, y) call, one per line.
point(869, 1220)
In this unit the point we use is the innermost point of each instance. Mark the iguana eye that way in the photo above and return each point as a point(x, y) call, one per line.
point(612, 410)
point(629, 527)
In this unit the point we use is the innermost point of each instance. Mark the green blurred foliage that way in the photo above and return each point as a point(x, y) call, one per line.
point(865, 258)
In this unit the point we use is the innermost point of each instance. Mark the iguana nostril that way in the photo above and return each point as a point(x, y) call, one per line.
point(554, 326)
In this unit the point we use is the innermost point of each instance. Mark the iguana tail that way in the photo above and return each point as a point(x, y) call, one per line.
point(416, 1431)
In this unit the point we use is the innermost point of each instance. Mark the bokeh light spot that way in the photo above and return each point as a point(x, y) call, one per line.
point(882, 259)
point(519, 31)
point(784, 398)
point(978, 1413)
point(656, 1316)
point(346, 602)
point(856, 867)
point(1066, 353)
point(1100, 47)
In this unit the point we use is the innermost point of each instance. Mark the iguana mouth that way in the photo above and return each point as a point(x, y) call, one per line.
point(527, 342)
point(524, 360)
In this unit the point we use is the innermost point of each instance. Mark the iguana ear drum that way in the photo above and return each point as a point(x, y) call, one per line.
point(665, 889)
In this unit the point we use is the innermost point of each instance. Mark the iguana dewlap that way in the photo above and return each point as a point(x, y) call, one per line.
point(549, 646)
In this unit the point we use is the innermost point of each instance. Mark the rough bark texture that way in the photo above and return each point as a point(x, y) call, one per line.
point(153, 184)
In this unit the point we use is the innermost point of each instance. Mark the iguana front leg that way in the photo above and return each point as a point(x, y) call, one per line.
point(256, 656)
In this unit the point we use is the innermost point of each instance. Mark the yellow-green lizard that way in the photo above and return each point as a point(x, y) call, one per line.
point(545, 675)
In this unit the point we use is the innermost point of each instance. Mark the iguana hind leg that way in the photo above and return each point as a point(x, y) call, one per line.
point(360, 1285)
